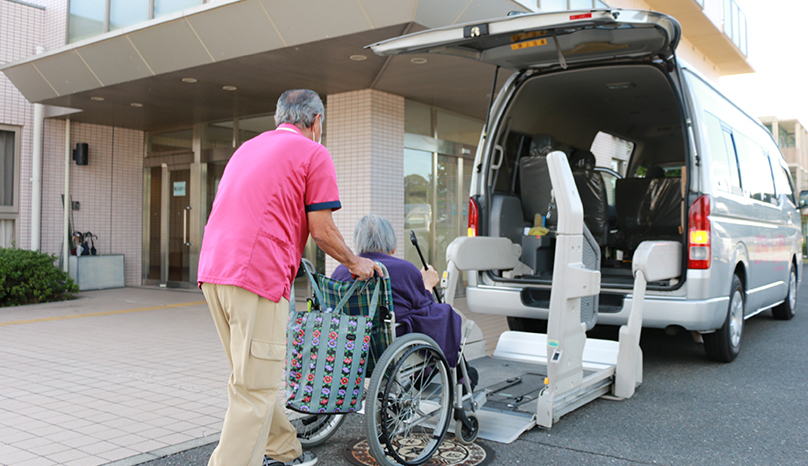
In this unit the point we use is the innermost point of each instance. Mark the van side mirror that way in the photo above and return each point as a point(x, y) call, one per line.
point(803, 199)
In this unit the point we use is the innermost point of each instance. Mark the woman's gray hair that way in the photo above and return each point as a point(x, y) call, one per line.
point(374, 234)
point(299, 106)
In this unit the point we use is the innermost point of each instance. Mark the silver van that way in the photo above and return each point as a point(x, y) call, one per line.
point(690, 166)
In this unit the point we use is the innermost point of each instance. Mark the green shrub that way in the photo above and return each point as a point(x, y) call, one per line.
point(28, 277)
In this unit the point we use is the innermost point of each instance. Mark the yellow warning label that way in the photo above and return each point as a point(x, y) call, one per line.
point(527, 35)
point(530, 43)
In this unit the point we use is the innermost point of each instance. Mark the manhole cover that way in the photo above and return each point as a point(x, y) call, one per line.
point(450, 453)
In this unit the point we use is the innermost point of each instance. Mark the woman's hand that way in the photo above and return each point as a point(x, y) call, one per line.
point(430, 277)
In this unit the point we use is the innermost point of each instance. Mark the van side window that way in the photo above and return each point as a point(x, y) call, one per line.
point(782, 182)
point(756, 172)
point(724, 166)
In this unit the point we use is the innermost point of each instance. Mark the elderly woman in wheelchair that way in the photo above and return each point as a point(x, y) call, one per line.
point(415, 308)
point(421, 383)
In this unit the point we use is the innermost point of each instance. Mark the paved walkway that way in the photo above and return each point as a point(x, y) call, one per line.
point(116, 377)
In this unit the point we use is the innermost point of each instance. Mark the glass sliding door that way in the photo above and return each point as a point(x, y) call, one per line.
point(154, 184)
point(179, 207)
point(168, 225)
point(418, 193)
point(447, 208)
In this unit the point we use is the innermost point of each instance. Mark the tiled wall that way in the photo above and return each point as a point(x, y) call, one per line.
point(365, 138)
point(55, 34)
point(21, 29)
point(108, 189)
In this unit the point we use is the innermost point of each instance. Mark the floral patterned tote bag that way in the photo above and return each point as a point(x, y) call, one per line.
point(327, 351)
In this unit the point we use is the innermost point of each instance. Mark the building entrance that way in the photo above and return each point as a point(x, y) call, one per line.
point(179, 240)
point(168, 226)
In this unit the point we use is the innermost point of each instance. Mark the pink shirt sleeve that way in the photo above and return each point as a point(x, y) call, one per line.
point(321, 183)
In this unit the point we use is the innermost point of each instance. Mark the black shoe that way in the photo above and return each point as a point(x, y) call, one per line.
point(308, 458)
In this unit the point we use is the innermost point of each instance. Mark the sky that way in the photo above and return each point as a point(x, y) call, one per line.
point(778, 51)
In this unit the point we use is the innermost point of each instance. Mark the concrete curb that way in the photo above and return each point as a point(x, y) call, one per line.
point(166, 451)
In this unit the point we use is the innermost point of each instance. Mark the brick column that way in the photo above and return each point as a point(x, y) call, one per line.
point(365, 135)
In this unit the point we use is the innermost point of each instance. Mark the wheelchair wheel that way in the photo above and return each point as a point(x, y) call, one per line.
point(409, 402)
point(314, 430)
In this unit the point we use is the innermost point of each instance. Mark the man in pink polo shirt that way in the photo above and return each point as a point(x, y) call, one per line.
point(276, 189)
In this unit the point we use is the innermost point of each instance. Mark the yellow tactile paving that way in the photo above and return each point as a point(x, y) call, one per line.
point(96, 314)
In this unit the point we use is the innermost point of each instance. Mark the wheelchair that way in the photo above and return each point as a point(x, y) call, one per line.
point(411, 400)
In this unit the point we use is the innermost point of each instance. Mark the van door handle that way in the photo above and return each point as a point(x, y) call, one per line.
point(185, 226)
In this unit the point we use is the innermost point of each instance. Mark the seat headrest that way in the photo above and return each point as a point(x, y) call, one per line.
point(655, 172)
point(542, 144)
point(582, 160)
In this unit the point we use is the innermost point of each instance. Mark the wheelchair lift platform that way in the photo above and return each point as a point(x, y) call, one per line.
point(545, 376)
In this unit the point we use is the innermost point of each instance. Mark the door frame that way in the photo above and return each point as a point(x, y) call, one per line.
point(168, 162)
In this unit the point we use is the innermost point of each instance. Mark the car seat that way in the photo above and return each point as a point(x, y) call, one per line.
point(592, 191)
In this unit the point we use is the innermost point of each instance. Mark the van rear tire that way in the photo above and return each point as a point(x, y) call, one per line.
point(525, 324)
point(788, 308)
point(724, 344)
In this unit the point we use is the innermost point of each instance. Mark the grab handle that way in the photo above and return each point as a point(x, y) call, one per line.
point(185, 226)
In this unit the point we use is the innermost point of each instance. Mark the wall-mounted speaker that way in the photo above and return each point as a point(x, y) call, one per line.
point(81, 154)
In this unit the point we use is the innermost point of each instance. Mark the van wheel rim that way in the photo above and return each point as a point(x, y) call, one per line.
point(792, 291)
point(736, 319)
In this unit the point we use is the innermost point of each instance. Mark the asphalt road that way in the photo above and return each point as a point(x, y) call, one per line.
point(689, 411)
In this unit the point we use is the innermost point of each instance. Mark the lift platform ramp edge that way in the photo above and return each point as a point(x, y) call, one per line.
point(563, 369)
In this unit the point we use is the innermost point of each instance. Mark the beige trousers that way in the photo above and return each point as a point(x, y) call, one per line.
point(253, 333)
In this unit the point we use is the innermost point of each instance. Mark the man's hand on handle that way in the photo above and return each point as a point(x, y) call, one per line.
point(364, 268)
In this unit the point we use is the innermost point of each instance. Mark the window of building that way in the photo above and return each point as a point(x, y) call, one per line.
point(124, 13)
point(735, 25)
point(88, 18)
point(164, 7)
point(438, 159)
point(458, 128)
point(786, 139)
point(249, 128)
point(612, 151)
point(218, 134)
point(9, 185)
point(418, 118)
point(8, 164)
point(171, 141)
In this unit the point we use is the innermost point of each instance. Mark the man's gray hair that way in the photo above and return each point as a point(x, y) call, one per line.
point(299, 106)
point(374, 234)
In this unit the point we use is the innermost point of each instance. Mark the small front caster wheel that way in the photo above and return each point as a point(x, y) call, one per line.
point(465, 434)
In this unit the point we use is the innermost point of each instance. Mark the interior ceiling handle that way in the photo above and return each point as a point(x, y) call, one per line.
point(493, 170)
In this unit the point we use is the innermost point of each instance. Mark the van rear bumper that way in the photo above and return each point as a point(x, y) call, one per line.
point(658, 312)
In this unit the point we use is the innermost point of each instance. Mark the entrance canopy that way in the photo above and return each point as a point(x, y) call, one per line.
point(233, 58)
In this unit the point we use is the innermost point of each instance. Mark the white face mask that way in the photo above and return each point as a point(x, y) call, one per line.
point(320, 139)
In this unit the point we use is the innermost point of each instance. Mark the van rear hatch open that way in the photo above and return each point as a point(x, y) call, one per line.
point(545, 39)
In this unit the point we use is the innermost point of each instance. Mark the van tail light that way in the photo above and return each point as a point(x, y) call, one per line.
point(699, 234)
point(474, 217)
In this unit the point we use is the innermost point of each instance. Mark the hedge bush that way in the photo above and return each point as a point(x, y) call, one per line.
point(28, 277)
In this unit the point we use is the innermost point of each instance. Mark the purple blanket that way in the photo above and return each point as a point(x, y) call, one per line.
point(414, 306)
